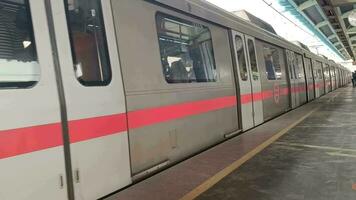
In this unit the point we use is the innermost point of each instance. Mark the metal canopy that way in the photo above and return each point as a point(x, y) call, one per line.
point(328, 20)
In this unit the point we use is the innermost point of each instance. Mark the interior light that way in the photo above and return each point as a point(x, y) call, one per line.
point(26, 44)
point(352, 18)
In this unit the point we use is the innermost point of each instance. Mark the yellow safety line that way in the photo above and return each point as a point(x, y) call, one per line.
point(223, 173)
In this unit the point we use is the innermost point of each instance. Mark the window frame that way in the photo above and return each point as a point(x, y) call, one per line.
point(253, 43)
point(279, 50)
point(105, 42)
point(300, 68)
point(187, 20)
point(244, 57)
point(18, 85)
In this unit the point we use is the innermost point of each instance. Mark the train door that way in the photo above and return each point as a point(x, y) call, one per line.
point(310, 79)
point(300, 90)
point(255, 80)
point(31, 146)
point(318, 79)
point(244, 80)
point(95, 101)
point(327, 79)
point(293, 81)
point(333, 78)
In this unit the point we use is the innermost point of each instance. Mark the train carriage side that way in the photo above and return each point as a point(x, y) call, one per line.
point(179, 83)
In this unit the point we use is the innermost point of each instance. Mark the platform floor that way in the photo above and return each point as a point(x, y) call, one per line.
point(308, 153)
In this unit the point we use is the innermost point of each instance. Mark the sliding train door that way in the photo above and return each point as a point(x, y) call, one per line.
point(310, 78)
point(31, 145)
point(293, 80)
point(248, 79)
point(94, 94)
point(255, 80)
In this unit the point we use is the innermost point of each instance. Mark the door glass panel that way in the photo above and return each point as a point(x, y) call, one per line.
point(309, 68)
point(272, 62)
point(241, 59)
point(19, 67)
point(295, 67)
point(253, 60)
point(186, 49)
point(88, 40)
point(300, 71)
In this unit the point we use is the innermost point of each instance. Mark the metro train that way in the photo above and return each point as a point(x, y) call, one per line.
point(98, 94)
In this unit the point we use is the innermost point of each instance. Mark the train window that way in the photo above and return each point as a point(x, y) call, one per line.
point(272, 62)
point(186, 50)
point(295, 67)
point(19, 67)
point(326, 71)
point(253, 60)
point(299, 60)
point(319, 72)
point(308, 68)
point(241, 59)
point(89, 46)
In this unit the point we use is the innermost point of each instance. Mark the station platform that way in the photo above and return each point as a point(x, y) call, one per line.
point(308, 153)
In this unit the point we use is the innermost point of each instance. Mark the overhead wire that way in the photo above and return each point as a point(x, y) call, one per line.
point(280, 13)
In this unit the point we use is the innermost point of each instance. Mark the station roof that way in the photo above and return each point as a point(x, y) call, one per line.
point(328, 20)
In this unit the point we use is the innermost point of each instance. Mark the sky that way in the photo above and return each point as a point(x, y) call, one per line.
point(291, 31)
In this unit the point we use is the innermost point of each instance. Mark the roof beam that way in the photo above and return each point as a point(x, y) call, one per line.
point(337, 3)
point(321, 24)
point(346, 14)
point(307, 4)
point(332, 36)
point(337, 43)
point(351, 30)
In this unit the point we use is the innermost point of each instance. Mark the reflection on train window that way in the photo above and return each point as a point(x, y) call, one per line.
point(19, 67)
point(89, 47)
point(272, 62)
point(300, 71)
point(241, 59)
point(253, 60)
point(186, 50)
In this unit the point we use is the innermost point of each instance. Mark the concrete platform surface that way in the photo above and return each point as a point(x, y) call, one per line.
point(310, 154)
point(315, 160)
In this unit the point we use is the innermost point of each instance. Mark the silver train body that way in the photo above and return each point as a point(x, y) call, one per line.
point(99, 94)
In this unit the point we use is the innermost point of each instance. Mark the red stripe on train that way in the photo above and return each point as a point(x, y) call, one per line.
point(25, 140)
point(145, 117)
point(86, 129)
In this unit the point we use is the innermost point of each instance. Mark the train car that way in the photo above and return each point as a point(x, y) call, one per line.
point(96, 94)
